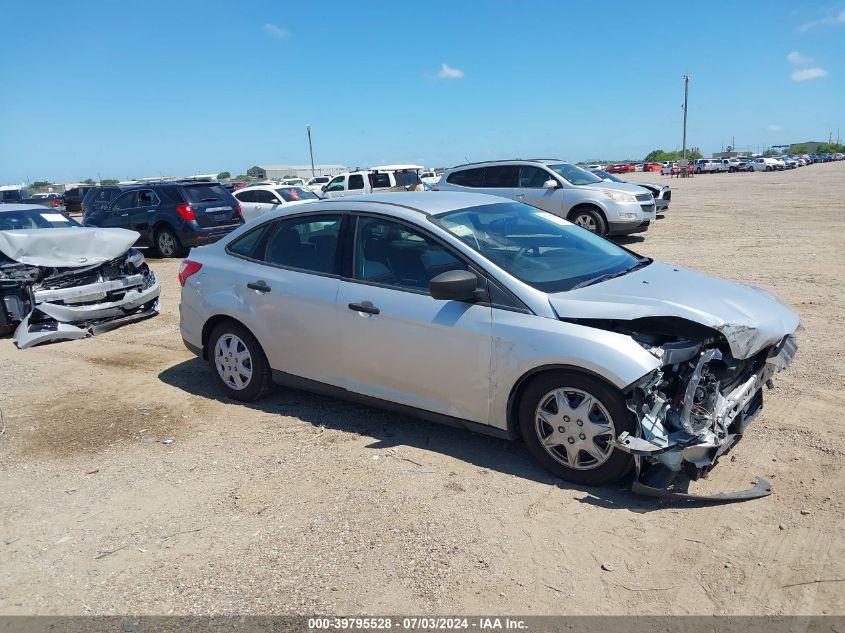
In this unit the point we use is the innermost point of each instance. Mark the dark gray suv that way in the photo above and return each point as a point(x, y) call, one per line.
point(170, 216)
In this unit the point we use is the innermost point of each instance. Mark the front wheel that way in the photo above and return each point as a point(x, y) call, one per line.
point(589, 219)
point(568, 421)
point(238, 365)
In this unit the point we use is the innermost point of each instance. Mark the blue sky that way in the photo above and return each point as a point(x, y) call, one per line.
point(128, 89)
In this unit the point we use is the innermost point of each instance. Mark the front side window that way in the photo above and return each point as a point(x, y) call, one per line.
point(574, 175)
point(393, 254)
point(126, 201)
point(262, 196)
point(336, 184)
point(292, 194)
point(306, 243)
point(533, 177)
point(536, 247)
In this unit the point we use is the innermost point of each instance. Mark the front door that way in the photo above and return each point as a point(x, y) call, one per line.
point(530, 190)
point(118, 215)
point(336, 187)
point(399, 344)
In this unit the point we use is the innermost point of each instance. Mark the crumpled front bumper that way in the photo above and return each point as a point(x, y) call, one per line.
point(67, 320)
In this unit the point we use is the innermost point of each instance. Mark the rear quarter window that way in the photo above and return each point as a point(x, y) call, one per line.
point(466, 177)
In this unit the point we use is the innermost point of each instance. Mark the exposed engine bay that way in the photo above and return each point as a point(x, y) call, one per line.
point(697, 405)
point(47, 303)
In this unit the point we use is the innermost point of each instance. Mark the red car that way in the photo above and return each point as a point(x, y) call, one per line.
point(619, 169)
point(652, 166)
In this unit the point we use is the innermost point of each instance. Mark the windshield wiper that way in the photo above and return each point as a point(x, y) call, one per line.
point(645, 261)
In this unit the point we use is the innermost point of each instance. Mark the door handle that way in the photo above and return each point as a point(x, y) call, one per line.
point(260, 286)
point(365, 307)
point(520, 195)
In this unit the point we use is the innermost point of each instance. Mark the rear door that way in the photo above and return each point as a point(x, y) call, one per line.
point(213, 205)
point(287, 281)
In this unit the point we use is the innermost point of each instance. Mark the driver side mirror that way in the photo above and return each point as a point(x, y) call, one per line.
point(455, 285)
point(550, 184)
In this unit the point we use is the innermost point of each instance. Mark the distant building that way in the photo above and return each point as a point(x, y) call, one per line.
point(729, 154)
point(277, 172)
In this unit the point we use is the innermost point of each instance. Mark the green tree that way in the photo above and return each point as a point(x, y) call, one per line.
point(800, 149)
point(88, 181)
point(38, 184)
point(770, 152)
point(241, 177)
point(223, 175)
point(107, 182)
point(659, 156)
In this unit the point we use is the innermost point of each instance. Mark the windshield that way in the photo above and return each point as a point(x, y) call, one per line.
point(34, 219)
point(574, 175)
point(291, 194)
point(606, 176)
point(538, 248)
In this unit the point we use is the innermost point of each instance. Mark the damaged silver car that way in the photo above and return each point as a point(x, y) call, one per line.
point(61, 281)
point(495, 316)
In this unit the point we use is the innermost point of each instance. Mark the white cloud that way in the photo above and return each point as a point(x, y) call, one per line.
point(774, 127)
point(808, 73)
point(447, 72)
point(798, 59)
point(275, 31)
point(836, 19)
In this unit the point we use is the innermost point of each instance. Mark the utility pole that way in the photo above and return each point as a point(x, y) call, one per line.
point(310, 149)
point(686, 98)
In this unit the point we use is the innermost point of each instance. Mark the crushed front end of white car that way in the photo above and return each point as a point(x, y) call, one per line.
point(718, 344)
point(64, 284)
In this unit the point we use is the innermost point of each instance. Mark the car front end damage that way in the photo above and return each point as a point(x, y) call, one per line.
point(695, 408)
point(716, 344)
point(45, 301)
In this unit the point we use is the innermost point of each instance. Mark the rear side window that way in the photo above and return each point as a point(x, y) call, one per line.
point(379, 180)
point(356, 181)
point(246, 196)
point(305, 243)
point(206, 193)
point(501, 176)
point(466, 177)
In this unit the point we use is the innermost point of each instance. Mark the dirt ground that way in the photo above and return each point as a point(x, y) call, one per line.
point(303, 504)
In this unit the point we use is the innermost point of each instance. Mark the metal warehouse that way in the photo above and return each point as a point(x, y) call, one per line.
point(275, 172)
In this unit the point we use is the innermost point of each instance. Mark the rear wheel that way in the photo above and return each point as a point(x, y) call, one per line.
point(590, 219)
point(167, 244)
point(237, 363)
point(568, 421)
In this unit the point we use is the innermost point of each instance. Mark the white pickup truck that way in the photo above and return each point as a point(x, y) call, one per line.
point(708, 166)
point(374, 180)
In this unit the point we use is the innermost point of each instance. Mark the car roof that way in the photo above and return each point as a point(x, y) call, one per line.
point(427, 203)
point(267, 187)
point(24, 207)
point(505, 161)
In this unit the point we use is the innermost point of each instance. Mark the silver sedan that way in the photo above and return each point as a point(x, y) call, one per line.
point(495, 316)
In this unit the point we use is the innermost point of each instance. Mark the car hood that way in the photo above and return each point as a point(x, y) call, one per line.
point(72, 247)
point(616, 186)
point(749, 318)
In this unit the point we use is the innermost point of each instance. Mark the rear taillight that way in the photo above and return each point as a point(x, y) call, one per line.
point(55, 202)
point(186, 211)
point(186, 269)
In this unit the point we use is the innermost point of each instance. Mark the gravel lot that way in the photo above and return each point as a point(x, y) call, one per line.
point(302, 504)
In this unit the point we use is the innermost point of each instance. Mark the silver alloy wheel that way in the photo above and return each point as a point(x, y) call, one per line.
point(574, 428)
point(166, 244)
point(233, 362)
point(587, 221)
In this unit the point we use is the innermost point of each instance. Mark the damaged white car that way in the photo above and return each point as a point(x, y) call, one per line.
point(61, 281)
point(496, 316)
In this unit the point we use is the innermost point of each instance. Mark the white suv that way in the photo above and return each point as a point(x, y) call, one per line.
point(606, 208)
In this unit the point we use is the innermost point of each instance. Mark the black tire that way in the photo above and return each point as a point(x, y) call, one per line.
point(589, 218)
point(6, 330)
point(616, 462)
point(167, 244)
point(259, 381)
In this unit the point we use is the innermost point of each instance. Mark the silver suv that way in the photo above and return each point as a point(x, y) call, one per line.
point(606, 208)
